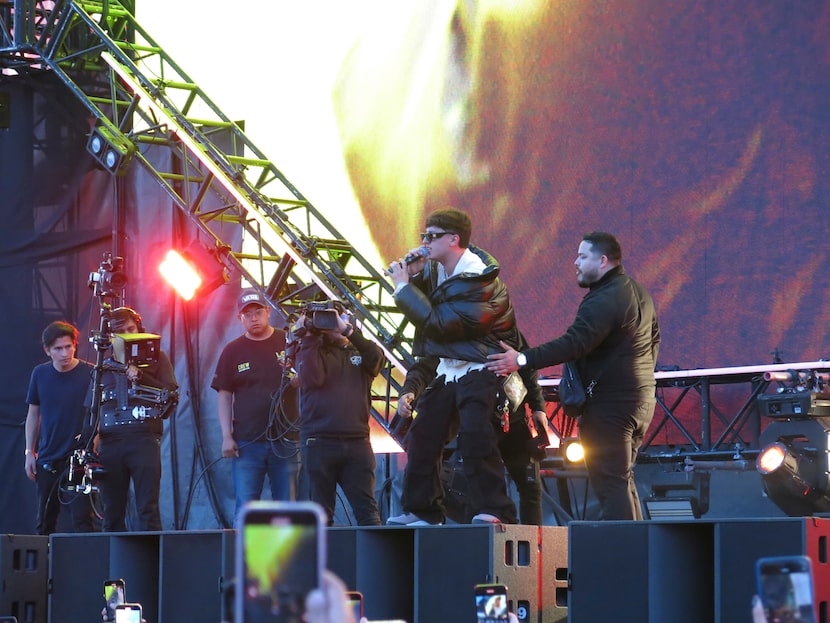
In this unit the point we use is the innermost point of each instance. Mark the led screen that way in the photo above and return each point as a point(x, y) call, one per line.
point(695, 131)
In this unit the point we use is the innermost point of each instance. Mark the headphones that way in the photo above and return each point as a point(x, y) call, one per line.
point(121, 315)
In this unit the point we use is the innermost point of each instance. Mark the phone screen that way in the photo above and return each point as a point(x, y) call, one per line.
point(491, 603)
point(282, 558)
point(355, 604)
point(114, 594)
point(128, 613)
point(786, 589)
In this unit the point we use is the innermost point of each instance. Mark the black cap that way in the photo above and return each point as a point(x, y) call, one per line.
point(251, 297)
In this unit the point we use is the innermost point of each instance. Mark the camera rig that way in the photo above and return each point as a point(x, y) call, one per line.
point(319, 316)
point(84, 471)
point(131, 404)
point(115, 401)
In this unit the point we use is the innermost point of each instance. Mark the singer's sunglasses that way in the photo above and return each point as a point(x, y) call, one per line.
point(429, 236)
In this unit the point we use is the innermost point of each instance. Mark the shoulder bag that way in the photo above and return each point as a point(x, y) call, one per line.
point(572, 395)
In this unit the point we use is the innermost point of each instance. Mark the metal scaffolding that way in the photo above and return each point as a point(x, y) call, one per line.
point(142, 103)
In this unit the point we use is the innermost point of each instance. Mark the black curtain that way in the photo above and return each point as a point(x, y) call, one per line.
point(59, 215)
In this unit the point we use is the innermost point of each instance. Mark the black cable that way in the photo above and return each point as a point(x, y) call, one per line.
point(196, 413)
point(281, 423)
point(192, 489)
point(346, 508)
point(173, 436)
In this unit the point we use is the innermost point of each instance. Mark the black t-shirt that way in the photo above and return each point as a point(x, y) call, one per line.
point(252, 371)
point(60, 396)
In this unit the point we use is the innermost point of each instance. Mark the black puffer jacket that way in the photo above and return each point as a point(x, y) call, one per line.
point(462, 318)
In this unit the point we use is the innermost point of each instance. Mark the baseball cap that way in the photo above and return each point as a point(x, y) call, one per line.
point(251, 297)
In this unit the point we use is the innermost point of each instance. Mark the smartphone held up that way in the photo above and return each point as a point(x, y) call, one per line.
point(128, 613)
point(355, 600)
point(785, 586)
point(280, 557)
point(114, 595)
point(491, 603)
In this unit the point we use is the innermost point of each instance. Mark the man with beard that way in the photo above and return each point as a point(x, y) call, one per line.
point(614, 341)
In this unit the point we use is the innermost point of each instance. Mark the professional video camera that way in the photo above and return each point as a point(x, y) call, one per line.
point(117, 401)
point(110, 279)
point(319, 316)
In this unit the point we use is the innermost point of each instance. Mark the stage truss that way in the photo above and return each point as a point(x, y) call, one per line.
point(142, 100)
point(220, 179)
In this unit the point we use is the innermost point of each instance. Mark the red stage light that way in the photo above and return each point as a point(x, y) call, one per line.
point(192, 270)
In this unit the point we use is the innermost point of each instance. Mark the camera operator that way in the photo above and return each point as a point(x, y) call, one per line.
point(252, 384)
point(53, 422)
point(130, 447)
point(336, 366)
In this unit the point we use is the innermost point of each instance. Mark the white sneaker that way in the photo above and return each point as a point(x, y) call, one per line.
point(409, 519)
point(486, 518)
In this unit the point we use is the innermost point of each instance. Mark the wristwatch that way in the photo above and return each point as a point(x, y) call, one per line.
point(521, 360)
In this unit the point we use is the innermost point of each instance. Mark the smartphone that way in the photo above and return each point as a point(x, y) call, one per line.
point(785, 585)
point(128, 613)
point(355, 600)
point(491, 602)
point(114, 594)
point(280, 557)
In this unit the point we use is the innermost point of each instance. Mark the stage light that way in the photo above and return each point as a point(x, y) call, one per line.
point(678, 496)
point(111, 149)
point(793, 465)
point(192, 270)
point(180, 275)
point(772, 458)
point(573, 451)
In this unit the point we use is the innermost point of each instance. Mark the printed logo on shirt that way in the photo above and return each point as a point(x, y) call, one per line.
point(356, 360)
point(243, 367)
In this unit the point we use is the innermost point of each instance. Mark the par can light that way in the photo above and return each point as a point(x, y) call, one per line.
point(771, 458)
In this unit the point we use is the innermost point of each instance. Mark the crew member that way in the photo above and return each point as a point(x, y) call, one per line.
point(614, 341)
point(336, 368)
point(257, 406)
point(53, 423)
point(130, 438)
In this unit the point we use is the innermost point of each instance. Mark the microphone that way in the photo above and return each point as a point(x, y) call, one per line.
point(418, 254)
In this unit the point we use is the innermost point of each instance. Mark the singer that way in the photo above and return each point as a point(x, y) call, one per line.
point(461, 310)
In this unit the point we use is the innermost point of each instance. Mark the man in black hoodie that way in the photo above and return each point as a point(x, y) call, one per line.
point(614, 341)
point(335, 369)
